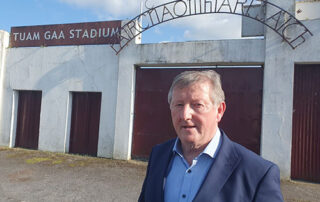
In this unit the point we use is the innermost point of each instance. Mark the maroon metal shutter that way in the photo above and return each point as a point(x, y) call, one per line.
point(152, 119)
point(28, 120)
point(305, 158)
point(242, 119)
point(85, 123)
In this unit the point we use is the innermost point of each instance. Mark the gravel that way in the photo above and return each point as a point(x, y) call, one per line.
point(32, 176)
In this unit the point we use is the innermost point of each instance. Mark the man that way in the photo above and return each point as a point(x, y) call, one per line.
point(203, 164)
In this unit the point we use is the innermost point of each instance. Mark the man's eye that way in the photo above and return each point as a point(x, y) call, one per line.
point(179, 105)
point(198, 105)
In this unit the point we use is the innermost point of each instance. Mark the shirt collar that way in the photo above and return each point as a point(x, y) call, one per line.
point(211, 148)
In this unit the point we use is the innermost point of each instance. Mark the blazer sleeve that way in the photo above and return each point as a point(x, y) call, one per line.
point(142, 194)
point(269, 186)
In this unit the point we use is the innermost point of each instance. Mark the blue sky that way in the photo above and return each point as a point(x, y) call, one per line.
point(43, 12)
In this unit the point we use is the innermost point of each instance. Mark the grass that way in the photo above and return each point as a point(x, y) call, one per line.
point(36, 160)
point(62, 159)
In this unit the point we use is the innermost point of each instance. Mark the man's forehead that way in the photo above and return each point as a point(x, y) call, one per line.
point(193, 91)
point(200, 90)
point(203, 83)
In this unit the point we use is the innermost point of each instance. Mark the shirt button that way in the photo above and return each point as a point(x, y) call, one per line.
point(189, 171)
point(183, 196)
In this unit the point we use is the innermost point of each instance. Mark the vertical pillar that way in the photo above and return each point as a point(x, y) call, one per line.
point(125, 101)
point(278, 97)
point(4, 112)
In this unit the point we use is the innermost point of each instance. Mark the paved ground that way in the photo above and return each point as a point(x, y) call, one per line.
point(33, 176)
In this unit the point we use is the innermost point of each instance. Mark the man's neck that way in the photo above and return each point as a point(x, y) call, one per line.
point(190, 152)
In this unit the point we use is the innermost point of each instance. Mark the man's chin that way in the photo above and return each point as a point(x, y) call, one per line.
point(188, 138)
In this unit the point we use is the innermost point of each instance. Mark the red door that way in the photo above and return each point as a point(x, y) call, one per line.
point(85, 123)
point(152, 120)
point(305, 158)
point(28, 120)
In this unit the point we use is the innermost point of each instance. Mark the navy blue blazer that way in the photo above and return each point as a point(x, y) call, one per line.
point(237, 174)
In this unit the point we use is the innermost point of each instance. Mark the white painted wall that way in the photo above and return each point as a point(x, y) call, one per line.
point(57, 71)
point(278, 58)
point(172, 54)
point(308, 10)
point(278, 90)
point(4, 43)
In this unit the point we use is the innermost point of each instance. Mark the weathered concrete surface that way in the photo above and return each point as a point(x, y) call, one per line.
point(33, 176)
point(4, 43)
point(195, 53)
point(57, 72)
point(278, 84)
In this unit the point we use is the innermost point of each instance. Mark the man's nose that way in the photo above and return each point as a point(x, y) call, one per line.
point(186, 112)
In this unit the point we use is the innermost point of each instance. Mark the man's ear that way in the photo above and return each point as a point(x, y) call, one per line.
point(221, 108)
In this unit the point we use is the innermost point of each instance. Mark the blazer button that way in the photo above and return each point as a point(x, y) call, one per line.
point(189, 171)
point(183, 196)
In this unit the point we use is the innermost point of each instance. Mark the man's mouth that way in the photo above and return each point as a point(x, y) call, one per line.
point(188, 127)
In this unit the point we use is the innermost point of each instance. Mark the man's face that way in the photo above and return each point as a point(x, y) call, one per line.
point(194, 116)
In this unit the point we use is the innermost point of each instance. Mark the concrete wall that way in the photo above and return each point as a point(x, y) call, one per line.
point(278, 90)
point(57, 71)
point(4, 43)
point(308, 9)
point(172, 54)
point(276, 55)
point(277, 97)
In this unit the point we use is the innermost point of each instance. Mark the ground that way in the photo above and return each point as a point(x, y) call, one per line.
point(33, 176)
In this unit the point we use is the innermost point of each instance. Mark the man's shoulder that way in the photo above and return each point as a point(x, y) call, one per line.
point(249, 156)
point(251, 160)
point(252, 165)
point(258, 178)
point(161, 155)
point(166, 146)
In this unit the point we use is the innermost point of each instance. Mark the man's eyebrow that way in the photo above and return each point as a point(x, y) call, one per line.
point(178, 101)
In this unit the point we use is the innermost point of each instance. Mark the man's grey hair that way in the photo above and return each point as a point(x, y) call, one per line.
point(188, 78)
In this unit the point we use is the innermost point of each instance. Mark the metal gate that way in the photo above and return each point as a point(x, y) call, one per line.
point(85, 121)
point(152, 120)
point(305, 158)
point(28, 119)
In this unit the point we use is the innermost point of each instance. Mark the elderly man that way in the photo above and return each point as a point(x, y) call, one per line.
point(203, 164)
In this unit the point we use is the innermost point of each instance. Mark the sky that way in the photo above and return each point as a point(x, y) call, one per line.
point(43, 12)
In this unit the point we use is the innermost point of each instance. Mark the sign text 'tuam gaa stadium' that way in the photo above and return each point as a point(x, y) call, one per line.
point(66, 34)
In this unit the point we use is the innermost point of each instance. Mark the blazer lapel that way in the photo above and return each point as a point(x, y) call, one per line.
point(226, 161)
point(161, 170)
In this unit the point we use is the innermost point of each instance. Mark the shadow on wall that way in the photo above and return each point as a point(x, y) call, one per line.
point(79, 69)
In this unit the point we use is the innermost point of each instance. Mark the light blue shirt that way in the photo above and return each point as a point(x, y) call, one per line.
point(183, 181)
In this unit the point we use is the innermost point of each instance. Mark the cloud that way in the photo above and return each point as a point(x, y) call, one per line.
point(212, 26)
point(110, 9)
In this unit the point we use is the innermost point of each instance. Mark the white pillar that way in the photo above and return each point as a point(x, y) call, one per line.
point(278, 97)
point(4, 122)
